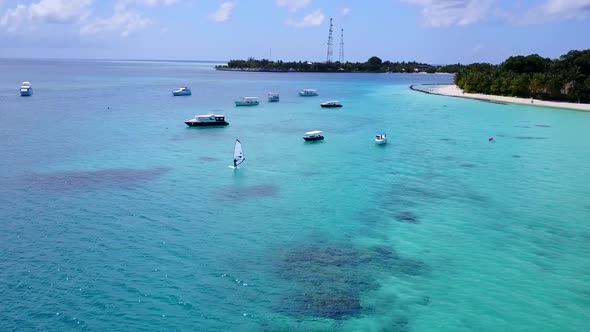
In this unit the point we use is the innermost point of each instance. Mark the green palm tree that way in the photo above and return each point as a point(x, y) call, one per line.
point(537, 85)
point(586, 89)
point(574, 83)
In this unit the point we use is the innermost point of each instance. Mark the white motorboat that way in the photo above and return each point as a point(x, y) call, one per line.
point(207, 120)
point(247, 101)
point(183, 91)
point(312, 136)
point(26, 89)
point(273, 97)
point(308, 93)
point(331, 104)
point(381, 138)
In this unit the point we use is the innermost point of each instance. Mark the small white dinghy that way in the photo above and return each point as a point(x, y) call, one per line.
point(238, 154)
point(381, 138)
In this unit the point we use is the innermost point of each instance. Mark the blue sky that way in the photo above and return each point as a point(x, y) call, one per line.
point(433, 31)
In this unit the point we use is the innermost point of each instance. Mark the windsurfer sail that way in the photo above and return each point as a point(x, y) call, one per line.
point(238, 154)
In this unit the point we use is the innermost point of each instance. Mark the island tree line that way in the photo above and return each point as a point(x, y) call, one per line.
point(373, 65)
point(532, 76)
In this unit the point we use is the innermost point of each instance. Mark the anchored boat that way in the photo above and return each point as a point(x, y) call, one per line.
point(183, 91)
point(312, 136)
point(381, 138)
point(26, 89)
point(207, 120)
point(308, 93)
point(331, 104)
point(273, 97)
point(247, 101)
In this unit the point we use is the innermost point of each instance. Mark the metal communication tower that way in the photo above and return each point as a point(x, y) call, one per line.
point(341, 54)
point(330, 42)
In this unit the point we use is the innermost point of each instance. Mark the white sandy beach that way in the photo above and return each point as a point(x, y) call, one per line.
point(454, 91)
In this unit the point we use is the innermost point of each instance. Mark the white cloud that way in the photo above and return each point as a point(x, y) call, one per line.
point(223, 13)
point(123, 22)
point(311, 20)
point(559, 10)
point(60, 11)
point(568, 7)
point(549, 11)
point(445, 13)
point(14, 19)
point(148, 3)
point(45, 11)
point(155, 3)
point(293, 5)
point(345, 11)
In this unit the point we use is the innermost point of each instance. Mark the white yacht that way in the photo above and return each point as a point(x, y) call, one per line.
point(247, 101)
point(273, 97)
point(207, 120)
point(308, 93)
point(26, 89)
point(183, 91)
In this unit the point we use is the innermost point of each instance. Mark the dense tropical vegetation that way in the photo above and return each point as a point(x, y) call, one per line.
point(532, 76)
point(373, 65)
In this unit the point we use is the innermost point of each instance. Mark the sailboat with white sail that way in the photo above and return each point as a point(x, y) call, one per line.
point(238, 154)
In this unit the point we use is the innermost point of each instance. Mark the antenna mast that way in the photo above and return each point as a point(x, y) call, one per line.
point(341, 54)
point(330, 43)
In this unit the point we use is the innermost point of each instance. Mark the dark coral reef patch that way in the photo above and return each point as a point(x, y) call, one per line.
point(93, 180)
point(328, 280)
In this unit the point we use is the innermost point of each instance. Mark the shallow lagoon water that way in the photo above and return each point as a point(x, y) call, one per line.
point(116, 216)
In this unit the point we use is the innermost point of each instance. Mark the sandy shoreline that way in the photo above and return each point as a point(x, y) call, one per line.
point(454, 91)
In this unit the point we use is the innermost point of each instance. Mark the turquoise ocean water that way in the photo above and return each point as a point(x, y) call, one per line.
point(115, 216)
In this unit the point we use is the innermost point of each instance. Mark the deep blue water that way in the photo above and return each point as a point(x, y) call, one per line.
point(115, 216)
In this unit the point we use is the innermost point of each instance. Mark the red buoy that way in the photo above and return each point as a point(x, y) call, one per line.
point(490, 139)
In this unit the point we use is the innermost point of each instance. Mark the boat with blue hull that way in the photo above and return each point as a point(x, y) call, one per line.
point(26, 89)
